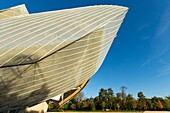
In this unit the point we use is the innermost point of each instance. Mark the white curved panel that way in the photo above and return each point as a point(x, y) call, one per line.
point(46, 54)
point(20, 10)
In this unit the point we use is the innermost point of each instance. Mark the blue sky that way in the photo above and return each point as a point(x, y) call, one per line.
point(139, 58)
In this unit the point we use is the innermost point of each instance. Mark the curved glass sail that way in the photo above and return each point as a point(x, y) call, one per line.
point(13, 11)
point(47, 54)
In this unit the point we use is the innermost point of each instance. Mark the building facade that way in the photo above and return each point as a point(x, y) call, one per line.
point(52, 55)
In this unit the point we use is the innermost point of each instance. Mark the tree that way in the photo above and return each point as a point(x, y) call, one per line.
point(92, 104)
point(78, 106)
point(80, 96)
point(51, 106)
point(129, 102)
point(160, 105)
point(166, 104)
point(118, 106)
point(123, 88)
point(168, 98)
point(103, 105)
point(110, 98)
point(73, 100)
point(141, 95)
point(103, 94)
point(134, 104)
point(97, 103)
point(118, 100)
point(110, 92)
point(155, 103)
point(149, 104)
point(73, 106)
point(118, 95)
point(141, 101)
point(107, 100)
point(85, 104)
point(139, 105)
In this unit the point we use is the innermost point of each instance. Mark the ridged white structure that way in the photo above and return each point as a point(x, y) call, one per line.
point(20, 10)
point(47, 54)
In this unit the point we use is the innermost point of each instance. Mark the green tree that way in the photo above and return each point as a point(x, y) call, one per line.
point(141, 101)
point(118, 100)
point(110, 92)
point(166, 104)
point(110, 98)
point(149, 104)
point(168, 98)
point(73, 106)
point(84, 104)
point(103, 95)
point(141, 95)
point(73, 100)
point(118, 106)
point(78, 105)
point(103, 105)
point(107, 100)
point(129, 102)
point(155, 103)
point(51, 106)
point(118, 96)
point(92, 104)
point(97, 103)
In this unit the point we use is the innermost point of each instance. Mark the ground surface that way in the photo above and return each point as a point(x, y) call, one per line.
point(119, 112)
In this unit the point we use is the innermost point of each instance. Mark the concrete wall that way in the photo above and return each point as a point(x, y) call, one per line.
point(39, 108)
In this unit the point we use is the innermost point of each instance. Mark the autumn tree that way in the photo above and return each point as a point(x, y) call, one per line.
point(134, 104)
point(107, 100)
point(160, 105)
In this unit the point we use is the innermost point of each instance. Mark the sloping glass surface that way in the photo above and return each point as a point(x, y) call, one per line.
point(46, 54)
point(13, 11)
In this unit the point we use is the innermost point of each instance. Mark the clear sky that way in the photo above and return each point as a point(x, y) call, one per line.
point(139, 58)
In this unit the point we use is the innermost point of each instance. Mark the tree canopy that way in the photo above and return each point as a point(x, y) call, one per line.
point(108, 100)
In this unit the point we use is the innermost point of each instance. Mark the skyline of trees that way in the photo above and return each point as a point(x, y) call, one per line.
point(108, 100)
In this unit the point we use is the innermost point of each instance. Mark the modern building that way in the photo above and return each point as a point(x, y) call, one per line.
point(52, 55)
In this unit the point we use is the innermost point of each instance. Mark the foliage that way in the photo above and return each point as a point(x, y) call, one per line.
point(107, 100)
